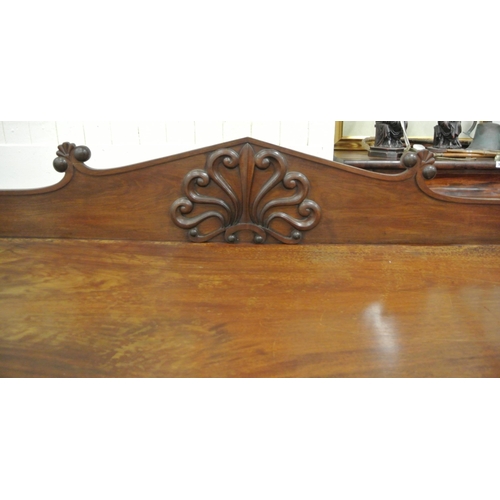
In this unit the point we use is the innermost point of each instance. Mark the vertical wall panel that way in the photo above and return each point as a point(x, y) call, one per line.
point(180, 132)
point(43, 133)
point(17, 132)
point(97, 136)
point(70, 131)
point(236, 130)
point(268, 131)
point(152, 132)
point(97, 133)
point(208, 132)
point(124, 133)
point(26, 166)
point(28, 148)
point(321, 139)
point(321, 133)
point(294, 135)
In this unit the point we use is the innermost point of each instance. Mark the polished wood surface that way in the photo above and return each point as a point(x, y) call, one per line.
point(82, 308)
point(477, 178)
point(360, 159)
point(357, 206)
point(382, 275)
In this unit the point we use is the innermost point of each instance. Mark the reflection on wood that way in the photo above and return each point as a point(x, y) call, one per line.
point(86, 308)
point(98, 281)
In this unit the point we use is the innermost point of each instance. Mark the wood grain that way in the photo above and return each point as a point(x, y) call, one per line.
point(358, 206)
point(72, 308)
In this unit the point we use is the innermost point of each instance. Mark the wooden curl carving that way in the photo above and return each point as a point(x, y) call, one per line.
point(244, 204)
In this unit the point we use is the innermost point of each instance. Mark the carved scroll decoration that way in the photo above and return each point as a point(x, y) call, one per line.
point(245, 205)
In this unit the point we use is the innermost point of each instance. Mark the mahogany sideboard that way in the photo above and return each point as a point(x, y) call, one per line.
point(246, 259)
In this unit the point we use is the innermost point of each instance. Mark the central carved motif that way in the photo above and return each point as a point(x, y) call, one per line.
point(243, 202)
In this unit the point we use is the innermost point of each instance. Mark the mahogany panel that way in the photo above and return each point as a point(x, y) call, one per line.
point(72, 308)
point(400, 276)
point(354, 205)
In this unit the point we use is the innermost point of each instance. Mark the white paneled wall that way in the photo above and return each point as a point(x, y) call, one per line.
point(27, 149)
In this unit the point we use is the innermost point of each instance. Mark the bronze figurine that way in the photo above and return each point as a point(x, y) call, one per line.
point(389, 134)
point(388, 139)
point(446, 135)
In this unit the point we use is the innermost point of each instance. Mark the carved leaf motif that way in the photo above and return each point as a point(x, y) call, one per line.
point(243, 204)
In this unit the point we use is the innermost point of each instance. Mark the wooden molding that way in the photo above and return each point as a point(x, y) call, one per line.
point(274, 196)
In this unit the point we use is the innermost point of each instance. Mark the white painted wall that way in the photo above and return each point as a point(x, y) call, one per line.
point(27, 149)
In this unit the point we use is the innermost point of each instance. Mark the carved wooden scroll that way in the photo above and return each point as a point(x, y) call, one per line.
point(243, 202)
point(252, 191)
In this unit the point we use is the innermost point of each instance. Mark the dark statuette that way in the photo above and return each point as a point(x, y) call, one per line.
point(446, 135)
point(389, 140)
point(389, 134)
